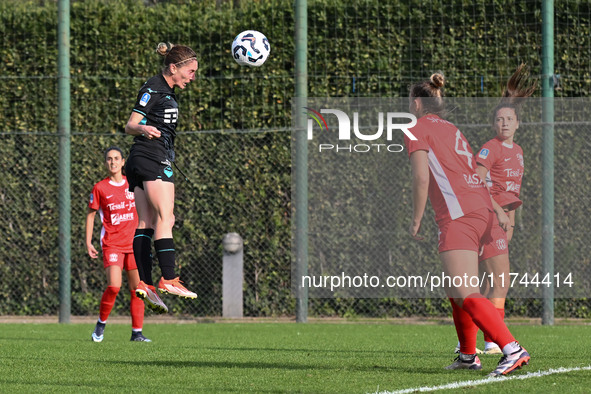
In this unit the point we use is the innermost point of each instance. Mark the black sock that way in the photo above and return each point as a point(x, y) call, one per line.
point(142, 251)
point(165, 252)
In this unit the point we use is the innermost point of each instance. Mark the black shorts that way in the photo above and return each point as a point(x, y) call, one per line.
point(140, 169)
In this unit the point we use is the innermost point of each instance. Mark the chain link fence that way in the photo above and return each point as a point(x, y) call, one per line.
point(224, 193)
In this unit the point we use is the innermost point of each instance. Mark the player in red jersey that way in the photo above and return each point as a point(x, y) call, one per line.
point(500, 162)
point(444, 170)
point(116, 206)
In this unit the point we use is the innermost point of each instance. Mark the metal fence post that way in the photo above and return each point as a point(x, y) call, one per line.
point(301, 164)
point(548, 158)
point(64, 160)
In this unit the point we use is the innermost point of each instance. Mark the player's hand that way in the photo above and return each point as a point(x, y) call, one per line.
point(414, 230)
point(92, 252)
point(150, 132)
point(504, 220)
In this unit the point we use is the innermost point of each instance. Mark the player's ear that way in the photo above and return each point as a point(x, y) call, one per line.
point(416, 106)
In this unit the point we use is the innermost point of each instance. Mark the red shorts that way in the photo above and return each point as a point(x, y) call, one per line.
point(121, 259)
point(496, 243)
point(472, 231)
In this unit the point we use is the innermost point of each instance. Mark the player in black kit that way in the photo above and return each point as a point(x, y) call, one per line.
point(149, 172)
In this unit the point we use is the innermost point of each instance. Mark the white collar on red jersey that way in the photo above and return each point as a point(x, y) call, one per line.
point(117, 184)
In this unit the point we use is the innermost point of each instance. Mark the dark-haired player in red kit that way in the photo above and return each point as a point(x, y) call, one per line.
point(500, 162)
point(444, 171)
point(116, 206)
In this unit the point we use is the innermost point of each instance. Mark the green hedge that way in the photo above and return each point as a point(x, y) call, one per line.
point(239, 182)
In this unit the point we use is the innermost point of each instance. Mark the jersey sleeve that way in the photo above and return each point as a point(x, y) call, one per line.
point(520, 156)
point(414, 145)
point(94, 201)
point(487, 156)
point(145, 101)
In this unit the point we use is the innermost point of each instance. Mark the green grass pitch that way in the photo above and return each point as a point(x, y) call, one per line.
point(273, 357)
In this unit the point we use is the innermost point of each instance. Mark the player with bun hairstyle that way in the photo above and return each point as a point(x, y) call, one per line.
point(116, 205)
point(444, 171)
point(149, 171)
point(500, 162)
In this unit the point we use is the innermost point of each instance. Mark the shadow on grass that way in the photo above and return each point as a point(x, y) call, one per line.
point(291, 350)
point(343, 366)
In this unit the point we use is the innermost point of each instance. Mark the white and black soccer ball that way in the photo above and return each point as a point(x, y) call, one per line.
point(251, 48)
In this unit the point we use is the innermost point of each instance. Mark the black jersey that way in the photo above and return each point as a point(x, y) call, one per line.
point(156, 101)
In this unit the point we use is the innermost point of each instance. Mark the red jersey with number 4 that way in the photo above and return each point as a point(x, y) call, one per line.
point(504, 163)
point(455, 188)
point(116, 205)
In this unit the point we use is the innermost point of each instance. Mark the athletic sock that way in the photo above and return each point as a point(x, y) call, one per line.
point(166, 256)
point(487, 339)
point(107, 302)
point(511, 348)
point(486, 317)
point(142, 252)
point(467, 357)
point(489, 345)
point(466, 329)
point(137, 312)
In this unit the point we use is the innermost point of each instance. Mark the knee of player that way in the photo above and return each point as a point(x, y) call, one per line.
point(164, 220)
point(113, 289)
point(167, 220)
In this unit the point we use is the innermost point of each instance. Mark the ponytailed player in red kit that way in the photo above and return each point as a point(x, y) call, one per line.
point(444, 171)
point(116, 206)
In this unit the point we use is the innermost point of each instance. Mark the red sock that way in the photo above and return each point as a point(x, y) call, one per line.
point(465, 328)
point(137, 312)
point(486, 317)
point(107, 302)
point(501, 312)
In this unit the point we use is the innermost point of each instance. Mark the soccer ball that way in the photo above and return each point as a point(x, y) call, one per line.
point(251, 48)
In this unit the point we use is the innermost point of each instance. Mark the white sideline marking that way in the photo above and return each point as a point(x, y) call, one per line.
point(488, 380)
